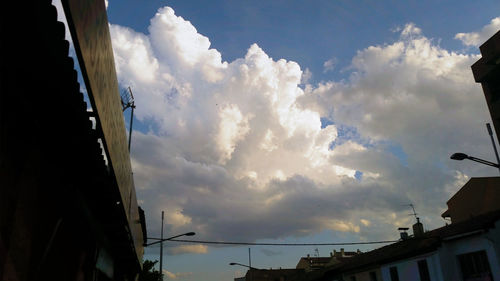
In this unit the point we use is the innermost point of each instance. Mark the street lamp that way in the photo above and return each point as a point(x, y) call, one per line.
point(160, 240)
point(235, 263)
point(166, 239)
point(461, 156)
point(251, 272)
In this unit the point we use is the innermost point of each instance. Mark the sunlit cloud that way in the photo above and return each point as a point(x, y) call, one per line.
point(167, 275)
point(479, 37)
point(330, 64)
point(238, 149)
point(183, 249)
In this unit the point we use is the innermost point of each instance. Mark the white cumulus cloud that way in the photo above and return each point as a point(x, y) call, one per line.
point(329, 65)
point(238, 149)
point(479, 37)
point(183, 249)
point(167, 275)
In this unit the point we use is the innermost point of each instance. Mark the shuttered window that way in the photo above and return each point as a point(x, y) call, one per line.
point(475, 266)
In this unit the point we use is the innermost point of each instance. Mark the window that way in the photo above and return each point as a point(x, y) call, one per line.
point(373, 276)
point(394, 273)
point(475, 266)
point(423, 270)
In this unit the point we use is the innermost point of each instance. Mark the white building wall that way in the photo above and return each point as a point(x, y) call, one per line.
point(433, 262)
point(443, 263)
point(451, 249)
point(493, 236)
point(408, 268)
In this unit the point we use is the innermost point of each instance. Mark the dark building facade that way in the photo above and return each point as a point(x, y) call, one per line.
point(487, 72)
point(288, 274)
point(64, 213)
point(478, 196)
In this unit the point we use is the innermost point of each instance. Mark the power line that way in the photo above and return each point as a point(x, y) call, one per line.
point(282, 244)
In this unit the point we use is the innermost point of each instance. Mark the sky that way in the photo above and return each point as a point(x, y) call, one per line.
point(298, 121)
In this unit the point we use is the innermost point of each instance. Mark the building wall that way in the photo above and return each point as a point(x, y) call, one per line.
point(275, 274)
point(408, 268)
point(487, 72)
point(494, 237)
point(488, 242)
point(364, 275)
point(303, 264)
point(58, 214)
point(478, 196)
point(443, 264)
point(314, 263)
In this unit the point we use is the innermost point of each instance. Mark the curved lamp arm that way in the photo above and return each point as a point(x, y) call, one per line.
point(166, 239)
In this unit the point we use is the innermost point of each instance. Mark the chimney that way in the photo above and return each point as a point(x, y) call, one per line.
point(331, 254)
point(358, 251)
point(418, 229)
point(308, 256)
point(403, 233)
point(334, 252)
point(341, 252)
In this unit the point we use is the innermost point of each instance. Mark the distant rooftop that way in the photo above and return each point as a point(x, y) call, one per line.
point(415, 246)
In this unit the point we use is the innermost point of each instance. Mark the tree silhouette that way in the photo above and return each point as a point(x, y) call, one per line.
point(148, 272)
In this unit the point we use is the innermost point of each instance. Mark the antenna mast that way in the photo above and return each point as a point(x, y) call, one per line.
point(127, 100)
point(414, 213)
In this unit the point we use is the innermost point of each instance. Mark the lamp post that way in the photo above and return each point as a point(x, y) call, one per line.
point(235, 263)
point(161, 240)
point(244, 265)
point(166, 239)
point(461, 156)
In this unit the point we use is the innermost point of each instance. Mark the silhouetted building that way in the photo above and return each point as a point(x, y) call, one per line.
point(342, 254)
point(467, 249)
point(478, 196)
point(65, 213)
point(289, 274)
point(487, 72)
point(460, 251)
point(314, 263)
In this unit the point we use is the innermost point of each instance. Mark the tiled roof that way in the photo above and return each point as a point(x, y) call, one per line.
point(290, 274)
point(476, 181)
point(485, 221)
point(399, 250)
point(414, 246)
point(317, 259)
point(350, 253)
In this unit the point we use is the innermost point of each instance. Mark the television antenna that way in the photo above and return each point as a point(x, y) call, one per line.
point(413, 208)
point(127, 101)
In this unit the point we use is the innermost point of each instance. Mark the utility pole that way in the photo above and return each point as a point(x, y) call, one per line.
point(490, 132)
point(250, 264)
point(249, 258)
point(161, 248)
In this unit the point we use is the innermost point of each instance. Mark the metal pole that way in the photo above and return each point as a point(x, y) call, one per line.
point(130, 130)
point(161, 248)
point(490, 132)
point(250, 264)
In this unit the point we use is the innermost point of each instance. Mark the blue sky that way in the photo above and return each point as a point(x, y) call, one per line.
point(298, 121)
point(312, 32)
